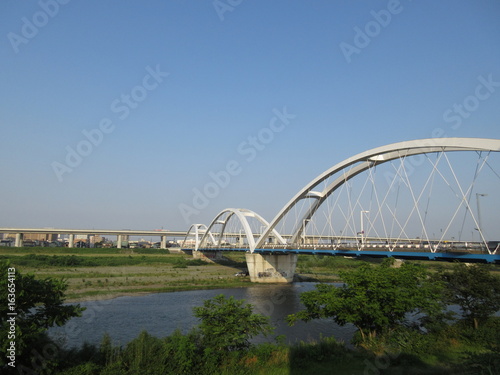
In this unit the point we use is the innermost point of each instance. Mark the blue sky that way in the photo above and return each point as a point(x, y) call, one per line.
point(178, 87)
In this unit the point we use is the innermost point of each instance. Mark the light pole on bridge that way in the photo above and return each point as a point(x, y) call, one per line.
point(362, 227)
point(304, 223)
point(479, 225)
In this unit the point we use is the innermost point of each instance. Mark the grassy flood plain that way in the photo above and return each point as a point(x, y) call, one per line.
point(103, 273)
point(93, 274)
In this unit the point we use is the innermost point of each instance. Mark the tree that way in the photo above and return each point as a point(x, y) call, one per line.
point(474, 289)
point(227, 324)
point(28, 308)
point(374, 299)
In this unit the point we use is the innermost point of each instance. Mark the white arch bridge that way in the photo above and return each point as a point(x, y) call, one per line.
point(430, 199)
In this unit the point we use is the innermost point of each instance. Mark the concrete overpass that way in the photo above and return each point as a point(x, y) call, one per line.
point(163, 234)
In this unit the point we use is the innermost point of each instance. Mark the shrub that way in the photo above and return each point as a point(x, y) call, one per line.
point(227, 324)
point(39, 304)
point(144, 355)
point(374, 299)
point(474, 289)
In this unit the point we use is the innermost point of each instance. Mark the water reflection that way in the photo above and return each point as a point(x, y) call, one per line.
point(161, 314)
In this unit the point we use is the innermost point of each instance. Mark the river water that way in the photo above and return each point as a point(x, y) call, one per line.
point(160, 314)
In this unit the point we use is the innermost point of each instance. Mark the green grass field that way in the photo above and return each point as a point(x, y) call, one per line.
point(107, 273)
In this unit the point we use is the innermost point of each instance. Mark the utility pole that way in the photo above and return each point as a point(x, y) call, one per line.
point(362, 227)
point(304, 223)
point(480, 227)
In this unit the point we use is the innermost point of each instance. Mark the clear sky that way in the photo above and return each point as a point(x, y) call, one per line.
point(114, 114)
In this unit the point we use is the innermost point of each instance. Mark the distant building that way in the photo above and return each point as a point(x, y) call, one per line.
point(33, 236)
point(96, 238)
point(40, 236)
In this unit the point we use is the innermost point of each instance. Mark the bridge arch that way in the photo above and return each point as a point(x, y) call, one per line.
point(198, 231)
point(242, 216)
point(361, 162)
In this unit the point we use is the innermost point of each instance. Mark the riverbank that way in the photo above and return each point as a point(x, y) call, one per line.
point(96, 274)
point(104, 273)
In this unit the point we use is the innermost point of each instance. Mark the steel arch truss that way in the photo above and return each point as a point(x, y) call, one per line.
point(359, 163)
point(242, 216)
point(197, 231)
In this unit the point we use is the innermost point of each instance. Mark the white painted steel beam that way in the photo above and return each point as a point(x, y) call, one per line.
point(371, 158)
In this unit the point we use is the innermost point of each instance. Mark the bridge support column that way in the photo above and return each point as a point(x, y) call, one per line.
point(19, 240)
point(208, 256)
point(119, 241)
point(271, 268)
point(163, 244)
point(71, 240)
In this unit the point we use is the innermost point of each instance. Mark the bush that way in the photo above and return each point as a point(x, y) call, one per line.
point(374, 299)
point(39, 304)
point(40, 261)
point(227, 324)
point(326, 349)
point(475, 289)
point(487, 335)
point(181, 263)
point(34, 260)
point(144, 355)
point(183, 352)
point(481, 364)
point(88, 368)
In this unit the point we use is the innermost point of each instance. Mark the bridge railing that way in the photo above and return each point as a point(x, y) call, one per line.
point(410, 247)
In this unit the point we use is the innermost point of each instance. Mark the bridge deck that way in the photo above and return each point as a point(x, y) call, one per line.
point(400, 253)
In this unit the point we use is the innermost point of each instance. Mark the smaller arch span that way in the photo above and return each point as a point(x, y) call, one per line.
point(241, 214)
point(198, 231)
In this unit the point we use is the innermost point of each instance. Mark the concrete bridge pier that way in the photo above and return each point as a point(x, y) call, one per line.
point(208, 256)
point(19, 240)
point(271, 268)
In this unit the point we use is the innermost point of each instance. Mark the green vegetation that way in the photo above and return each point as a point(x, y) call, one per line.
point(474, 289)
point(228, 324)
point(80, 250)
point(105, 273)
point(187, 354)
point(374, 299)
point(324, 268)
point(45, 261)
point(381, 300)
point(378, 300)
point(37, 305)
